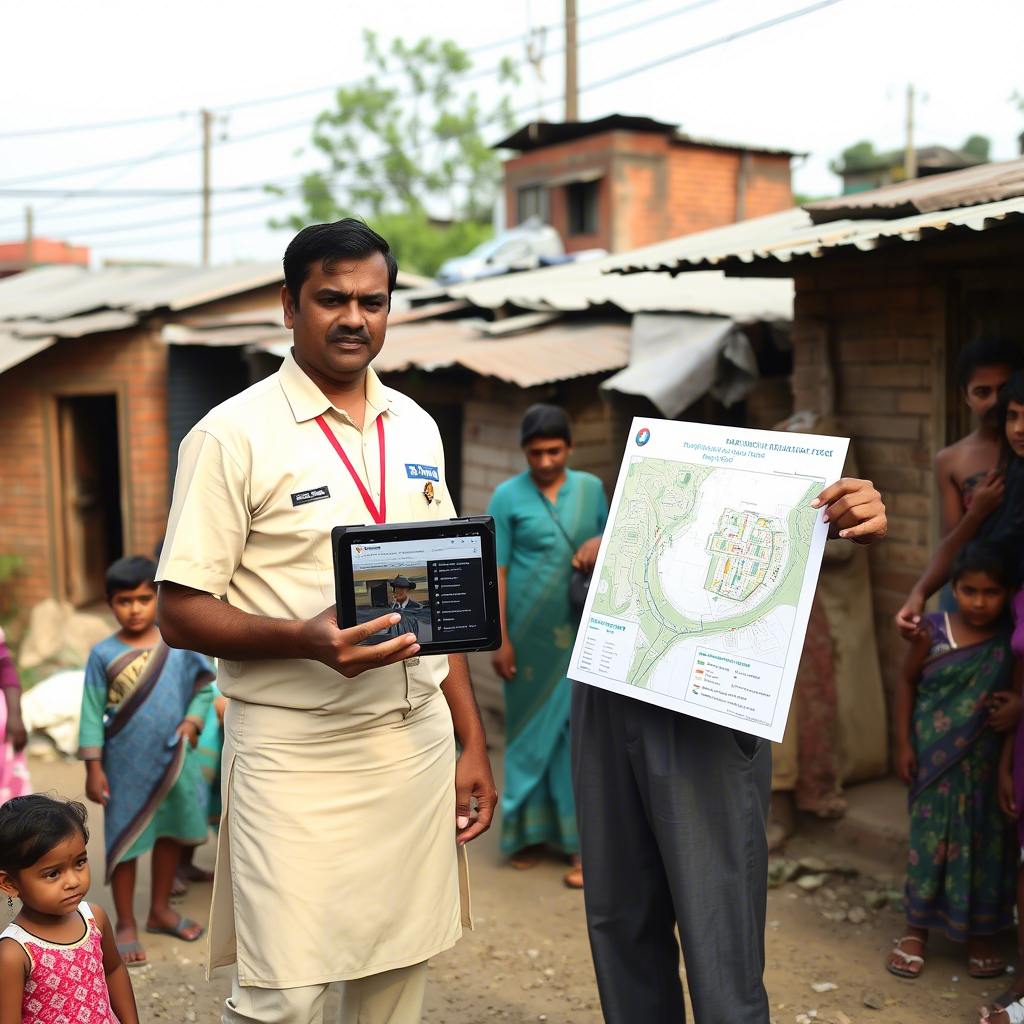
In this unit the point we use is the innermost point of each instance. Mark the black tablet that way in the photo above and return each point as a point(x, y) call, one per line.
point(441, 577)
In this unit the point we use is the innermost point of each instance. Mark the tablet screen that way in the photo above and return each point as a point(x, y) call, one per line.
point(436, 584)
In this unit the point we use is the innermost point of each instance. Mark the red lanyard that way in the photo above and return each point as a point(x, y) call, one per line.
point(378, 515)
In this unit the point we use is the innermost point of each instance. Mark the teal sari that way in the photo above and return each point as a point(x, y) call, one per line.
point(537, 803)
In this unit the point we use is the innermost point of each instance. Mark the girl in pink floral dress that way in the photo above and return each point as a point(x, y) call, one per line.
point(58, 959)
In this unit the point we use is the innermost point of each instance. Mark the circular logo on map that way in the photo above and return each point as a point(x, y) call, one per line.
point(643, 435)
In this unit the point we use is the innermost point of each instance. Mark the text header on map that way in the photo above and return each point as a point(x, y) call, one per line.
point(703, 586)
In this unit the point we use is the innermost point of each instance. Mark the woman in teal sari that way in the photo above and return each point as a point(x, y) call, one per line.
point(548, 521)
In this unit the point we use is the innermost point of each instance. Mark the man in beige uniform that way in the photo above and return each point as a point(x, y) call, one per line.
point(344, 805)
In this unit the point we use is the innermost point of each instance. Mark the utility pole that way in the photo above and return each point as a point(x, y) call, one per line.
point(909, 153)
point(572, 112)
point(30, 261)
point(535, 43)
point(207, 142)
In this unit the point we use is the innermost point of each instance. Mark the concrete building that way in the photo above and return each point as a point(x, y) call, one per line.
point(623, 182)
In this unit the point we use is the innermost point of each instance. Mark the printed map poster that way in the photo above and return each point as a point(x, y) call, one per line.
point(703, 585)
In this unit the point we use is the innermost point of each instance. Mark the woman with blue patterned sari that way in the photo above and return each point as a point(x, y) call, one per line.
point(548, 522)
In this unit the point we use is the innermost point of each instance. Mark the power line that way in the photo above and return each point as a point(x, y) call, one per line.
point(307, 122)
point(283, 97)
point(191, 236)
point(739, 34)
point(135, 193)
point(110, 178)
point(721, 40)
point(273, 200)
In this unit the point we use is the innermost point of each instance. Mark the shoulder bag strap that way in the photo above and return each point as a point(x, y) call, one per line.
point(554, 518)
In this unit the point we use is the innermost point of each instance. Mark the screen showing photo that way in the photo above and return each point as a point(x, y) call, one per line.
point(436, 585)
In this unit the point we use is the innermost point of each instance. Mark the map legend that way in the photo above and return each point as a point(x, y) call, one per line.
point(608, 647)
point(733, 685)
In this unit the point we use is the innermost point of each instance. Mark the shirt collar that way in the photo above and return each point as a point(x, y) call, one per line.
point(307, 401)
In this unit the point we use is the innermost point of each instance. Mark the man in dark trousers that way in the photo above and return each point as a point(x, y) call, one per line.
point(673, 818)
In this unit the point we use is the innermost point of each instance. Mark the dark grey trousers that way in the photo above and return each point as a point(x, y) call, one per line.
point(672, 816)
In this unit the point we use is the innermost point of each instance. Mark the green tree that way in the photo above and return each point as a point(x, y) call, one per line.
point(398, 155)
point(979, 146)
point(855, 158)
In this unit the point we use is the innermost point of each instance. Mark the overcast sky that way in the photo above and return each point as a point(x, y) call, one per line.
point(816, 84)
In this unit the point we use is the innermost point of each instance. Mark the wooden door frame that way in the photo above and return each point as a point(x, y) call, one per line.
point(50, 395)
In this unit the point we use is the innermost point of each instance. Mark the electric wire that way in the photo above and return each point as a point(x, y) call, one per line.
point(284, 97)
point(588, 87)
point(306, 121)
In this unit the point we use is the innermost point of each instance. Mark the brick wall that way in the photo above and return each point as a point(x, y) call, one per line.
point(881, 331)
point(131, 363)
point(655, 187)
point(490, 444)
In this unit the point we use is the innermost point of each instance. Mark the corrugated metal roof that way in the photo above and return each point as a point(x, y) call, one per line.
point(39, 294)
point(238, 334)
point(578, 286)
point(780, 237)
point(53, 294)
point(75, 326)
point(556, 352)
point(970, 186)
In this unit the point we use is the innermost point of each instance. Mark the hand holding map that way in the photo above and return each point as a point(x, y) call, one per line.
point(703, 584)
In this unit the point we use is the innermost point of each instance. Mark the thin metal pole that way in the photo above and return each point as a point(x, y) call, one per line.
point(910, 154)
point(572, 112)
point(30, 260)
point(207, 139)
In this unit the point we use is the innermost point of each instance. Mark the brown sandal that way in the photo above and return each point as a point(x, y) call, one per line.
point(574, 877)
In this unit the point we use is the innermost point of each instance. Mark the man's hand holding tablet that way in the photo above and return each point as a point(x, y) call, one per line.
point(438, 579)
point(323, 640)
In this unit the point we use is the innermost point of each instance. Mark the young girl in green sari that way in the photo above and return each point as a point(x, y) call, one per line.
point(952, 700)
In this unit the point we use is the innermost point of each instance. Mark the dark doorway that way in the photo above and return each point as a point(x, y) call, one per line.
point(92, 528)
point(198, 378)
point(993, 308)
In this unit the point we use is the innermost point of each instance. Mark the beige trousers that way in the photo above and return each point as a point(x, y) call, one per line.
point(392, 997)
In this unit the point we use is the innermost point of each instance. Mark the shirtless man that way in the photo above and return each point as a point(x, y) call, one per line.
point(983, 367)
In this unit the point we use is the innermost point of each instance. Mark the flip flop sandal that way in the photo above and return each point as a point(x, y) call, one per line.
point(574, 877)
point(907, 958)
point(178, 931)
point(1014, 1012)
point(997, 967)
point(124, 948)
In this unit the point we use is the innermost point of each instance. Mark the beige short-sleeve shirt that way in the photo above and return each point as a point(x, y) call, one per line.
point(259, 489)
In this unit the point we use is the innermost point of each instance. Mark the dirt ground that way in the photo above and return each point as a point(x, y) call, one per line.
point(528, 959)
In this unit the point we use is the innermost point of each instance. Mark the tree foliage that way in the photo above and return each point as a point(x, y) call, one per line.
point(978, 145)
point(855, 158)
point(406, 156)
